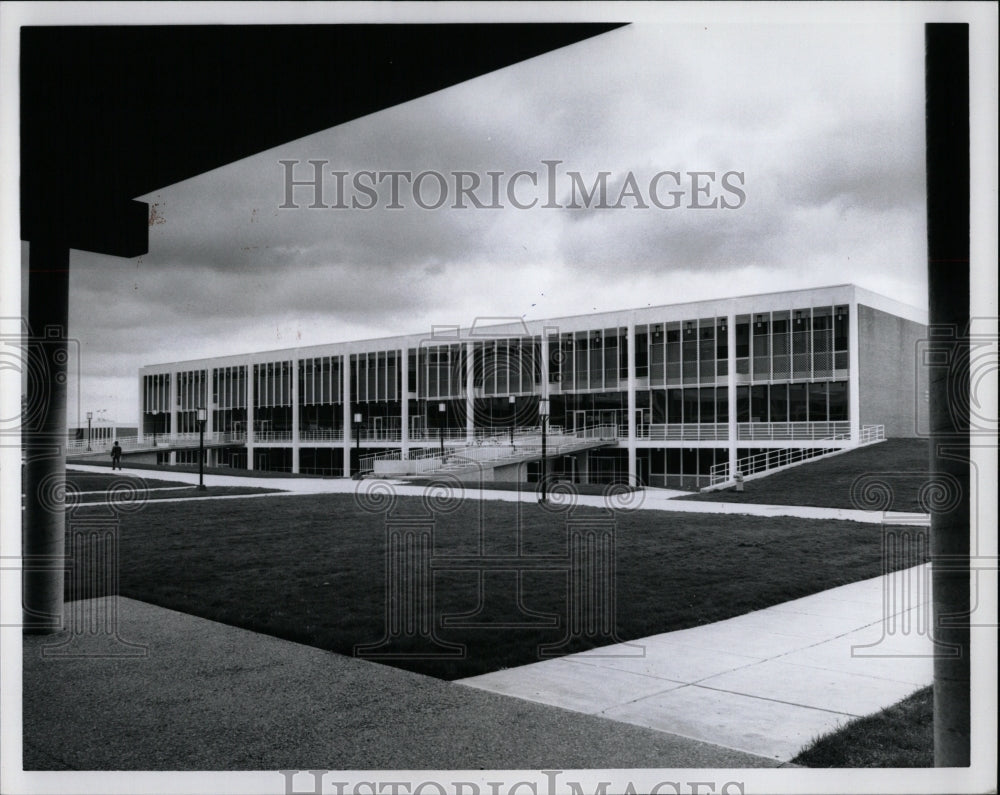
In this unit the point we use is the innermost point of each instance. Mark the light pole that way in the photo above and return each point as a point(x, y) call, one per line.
point(441, 410)
point(543, 416)
point(202, 417)
point(90, 416)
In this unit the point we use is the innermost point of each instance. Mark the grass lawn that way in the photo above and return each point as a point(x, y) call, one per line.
point(176, 494)
point(312, 569)
point(165, 469)
point(98, 481)
point(899, 736)
point(901, 463)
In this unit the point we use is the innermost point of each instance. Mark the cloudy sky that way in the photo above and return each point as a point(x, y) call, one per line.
point(825, 124)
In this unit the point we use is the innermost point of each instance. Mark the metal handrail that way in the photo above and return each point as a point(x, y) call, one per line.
point(772, 459)
point(792, 431)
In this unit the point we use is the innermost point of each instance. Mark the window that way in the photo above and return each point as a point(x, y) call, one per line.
point(779, 402)
point(838, 401)
point(675, 405)
point(817, 403)
point(743, 404)
point(797, 406)
point(758, 403)
point(641, 353)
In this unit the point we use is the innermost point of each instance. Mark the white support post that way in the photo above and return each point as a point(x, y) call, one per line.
point(295, 415)
point(470, 394)
point(172, 403)
point(854, 377)
point(142, 410)
point(251, 389)
point(345, 390)
point(210, 452)
point(731, 390)
point(632, 474)
point(545, 363)
point(404, 403)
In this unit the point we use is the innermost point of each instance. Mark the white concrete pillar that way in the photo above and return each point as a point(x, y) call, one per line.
point(632, 473)
point(295, 415)
point(172, 398)
point(251, 387)
point(854, 377)
point(345, 389)
point(731, 389)
point(142, 410)
point(470, 394)
point(404, 403)
point(209, 417)
point(545, 363)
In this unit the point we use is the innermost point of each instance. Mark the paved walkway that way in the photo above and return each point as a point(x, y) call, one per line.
point(765, 683)
point(648, 499)
point(140, 687)
point(749, 691)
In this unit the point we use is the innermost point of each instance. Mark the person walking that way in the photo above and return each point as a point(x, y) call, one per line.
point(116, 455)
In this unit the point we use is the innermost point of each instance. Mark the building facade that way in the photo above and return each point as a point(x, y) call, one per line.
point(692, 388)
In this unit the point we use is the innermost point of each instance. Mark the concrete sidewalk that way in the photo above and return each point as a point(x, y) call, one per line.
point(140, 687)
point(647, 499)
point(766, 683)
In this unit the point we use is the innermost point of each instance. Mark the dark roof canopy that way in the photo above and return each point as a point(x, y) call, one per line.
point(110, 113)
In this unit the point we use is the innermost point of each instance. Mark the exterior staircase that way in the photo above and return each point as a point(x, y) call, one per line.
point(488, 453)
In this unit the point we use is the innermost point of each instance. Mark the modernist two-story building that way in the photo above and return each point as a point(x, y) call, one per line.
point(691, 389)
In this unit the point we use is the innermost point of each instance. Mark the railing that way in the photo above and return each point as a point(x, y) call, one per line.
point(871, 433)
point(607, 432)
point(325, 435)
point(769, 459)
point(149, 442)
point(687, 431)
point(272, 436)
point(772, 459)
point(792, 431)
point(526, 445)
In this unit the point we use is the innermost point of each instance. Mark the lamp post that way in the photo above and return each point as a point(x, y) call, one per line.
point(543, 416)
point(202, 417)
point(441, 410)
point(90, 416)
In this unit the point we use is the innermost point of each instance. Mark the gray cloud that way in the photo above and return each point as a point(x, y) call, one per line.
point(825, 124)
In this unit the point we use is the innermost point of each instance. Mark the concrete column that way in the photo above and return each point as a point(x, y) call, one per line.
point(632, 474)
point(854, 377)
point(251, 389)
point(731, 390)
point(295, 415)
point(948, 285)
point(44, 439)
point(404, 403)
point(470, 394)
point(210, 403)
point(142, 411)
point(345, 388)
point(545, 363)
point(172, 398)
point(211, 453)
